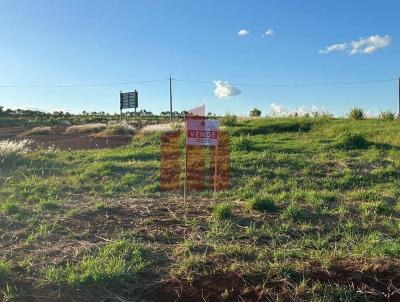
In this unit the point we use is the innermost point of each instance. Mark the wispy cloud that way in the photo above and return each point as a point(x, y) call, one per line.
point(243, 32)
point(223, 89)
point(361, 46)
point(269, 32)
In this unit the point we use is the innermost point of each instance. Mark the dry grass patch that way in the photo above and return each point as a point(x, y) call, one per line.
point(10, 147)
point(117, 128)
point(161, 128)
point(43, 130)
point(86, 128)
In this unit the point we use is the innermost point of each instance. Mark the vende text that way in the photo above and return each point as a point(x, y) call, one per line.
point(202, 134)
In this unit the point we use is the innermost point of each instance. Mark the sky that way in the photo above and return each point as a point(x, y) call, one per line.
point(229, 55)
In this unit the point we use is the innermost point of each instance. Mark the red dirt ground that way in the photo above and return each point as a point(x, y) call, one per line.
point(61, 140)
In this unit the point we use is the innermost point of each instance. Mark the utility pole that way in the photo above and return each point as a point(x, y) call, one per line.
point(399, 100)
point(170, 99)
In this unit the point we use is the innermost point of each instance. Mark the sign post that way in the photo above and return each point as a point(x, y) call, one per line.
point(201, 132)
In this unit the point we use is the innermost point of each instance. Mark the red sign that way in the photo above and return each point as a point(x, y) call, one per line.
point(202, 132)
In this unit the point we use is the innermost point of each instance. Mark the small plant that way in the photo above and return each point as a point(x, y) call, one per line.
point(48, 205)
point(222, 211)
point(352, 140)
point(379, 207)
point(387, 115)
point(229, 120)
point(293, 212)
point(357, 113)
point(100, 205)
point(242, 143)
point(10, 207)
point(262, 204)
point(5, 269)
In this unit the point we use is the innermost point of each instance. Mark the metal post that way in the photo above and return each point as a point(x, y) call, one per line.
point(216, 165)
point(120, 105)
point(170, 99)
point(399, 100)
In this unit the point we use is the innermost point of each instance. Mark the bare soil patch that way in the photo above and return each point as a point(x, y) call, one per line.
point(59, 139)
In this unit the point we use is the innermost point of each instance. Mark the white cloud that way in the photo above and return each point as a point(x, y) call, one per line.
point(361, 46)
point(334, 47)
point(269, 32)
point(280, 110)
point(224, 89)
point(243, 32)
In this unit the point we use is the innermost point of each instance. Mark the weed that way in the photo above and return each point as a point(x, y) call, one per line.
point(353, 140)
point(293, 212)
point(222, 211)
point(357, 113)
point(242, 143)
point(387, 115)
point(5, 270)
point(48, 205)
point(262, 204)
point(10, 207)
point(229, 120)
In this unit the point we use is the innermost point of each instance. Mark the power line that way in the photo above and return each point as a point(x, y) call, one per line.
point(201, 82)
point(83, 85)
point(291, 84)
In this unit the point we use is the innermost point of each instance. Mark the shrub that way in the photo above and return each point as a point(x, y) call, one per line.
point(262, 204)
point(357, 113)
point(222, 211)
point(229, 120)
point(351, 140)
point(242, 143)
point(387, 115)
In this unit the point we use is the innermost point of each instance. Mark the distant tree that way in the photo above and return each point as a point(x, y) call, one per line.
point(255, 112)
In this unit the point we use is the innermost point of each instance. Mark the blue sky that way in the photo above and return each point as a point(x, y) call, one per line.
point(88, 42)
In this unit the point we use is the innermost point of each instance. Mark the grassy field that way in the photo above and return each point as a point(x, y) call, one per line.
point(313, 215)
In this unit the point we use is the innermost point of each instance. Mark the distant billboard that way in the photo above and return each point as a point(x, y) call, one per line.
point(128, 100)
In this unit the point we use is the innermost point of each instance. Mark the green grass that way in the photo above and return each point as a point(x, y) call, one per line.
point(114, 262)
point(312, 197)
